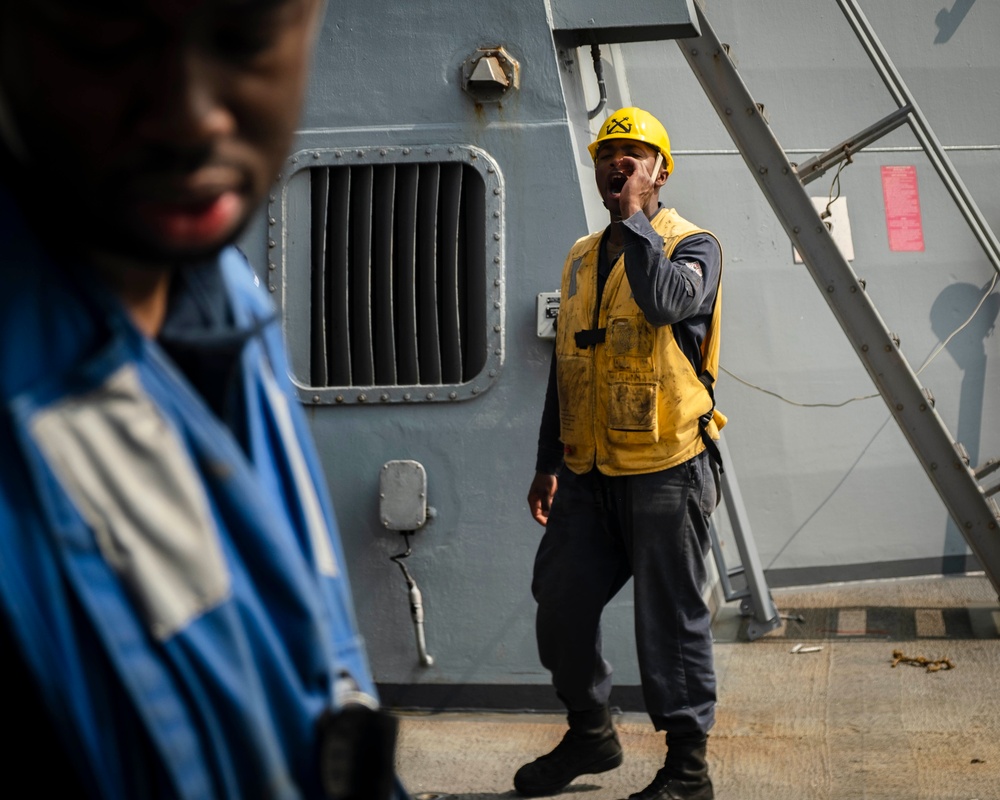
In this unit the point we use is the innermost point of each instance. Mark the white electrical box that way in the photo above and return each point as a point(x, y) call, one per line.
point(546, 314)
point(838, 223)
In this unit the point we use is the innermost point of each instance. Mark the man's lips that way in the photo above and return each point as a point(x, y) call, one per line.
point(193, 222)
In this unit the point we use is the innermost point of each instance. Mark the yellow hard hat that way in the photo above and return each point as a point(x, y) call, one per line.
point(641, 126)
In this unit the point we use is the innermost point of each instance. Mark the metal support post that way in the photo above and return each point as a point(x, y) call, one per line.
point(756, 598)
point(813, 168)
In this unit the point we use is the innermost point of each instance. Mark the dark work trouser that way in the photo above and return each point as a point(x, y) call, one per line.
point(602, 531)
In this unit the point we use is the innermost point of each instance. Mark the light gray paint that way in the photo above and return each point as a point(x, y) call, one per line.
point(149, 512)
point(824, 487)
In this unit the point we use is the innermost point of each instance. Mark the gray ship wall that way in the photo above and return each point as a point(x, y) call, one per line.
point(832, 490)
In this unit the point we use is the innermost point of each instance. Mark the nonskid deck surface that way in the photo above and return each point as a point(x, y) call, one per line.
point(832, 721)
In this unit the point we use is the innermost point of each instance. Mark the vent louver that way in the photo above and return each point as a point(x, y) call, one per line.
point(388, 264)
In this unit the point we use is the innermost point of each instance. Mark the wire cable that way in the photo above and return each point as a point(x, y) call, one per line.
point(595, 53)
point(784, 399)
point(937, 350)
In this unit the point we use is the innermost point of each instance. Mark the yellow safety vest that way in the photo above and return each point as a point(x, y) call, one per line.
point(633, 402)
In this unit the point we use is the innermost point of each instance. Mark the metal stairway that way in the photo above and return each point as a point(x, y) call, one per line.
point(783, 183)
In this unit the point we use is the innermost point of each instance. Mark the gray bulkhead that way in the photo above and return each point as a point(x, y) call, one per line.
point(833, 491)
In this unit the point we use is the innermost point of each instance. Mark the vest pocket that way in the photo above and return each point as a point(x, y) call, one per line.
point(632, 388)
point(631, 338)
point(632, 414)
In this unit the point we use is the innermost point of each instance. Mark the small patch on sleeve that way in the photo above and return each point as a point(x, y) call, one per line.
point(694, 266)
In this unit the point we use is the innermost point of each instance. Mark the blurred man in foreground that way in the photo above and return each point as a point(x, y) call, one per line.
point(173, 603)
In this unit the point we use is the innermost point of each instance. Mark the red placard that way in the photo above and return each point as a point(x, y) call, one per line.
point(902, 209)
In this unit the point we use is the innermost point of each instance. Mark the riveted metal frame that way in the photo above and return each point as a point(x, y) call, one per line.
point(288, 274)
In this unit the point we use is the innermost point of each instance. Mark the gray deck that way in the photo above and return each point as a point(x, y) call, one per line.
point(840, 723)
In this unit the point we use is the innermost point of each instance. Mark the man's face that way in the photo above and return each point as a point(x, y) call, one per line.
point(153, 128)
point(614, 164)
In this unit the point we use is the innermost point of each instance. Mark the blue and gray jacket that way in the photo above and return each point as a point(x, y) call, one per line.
point(170, 571)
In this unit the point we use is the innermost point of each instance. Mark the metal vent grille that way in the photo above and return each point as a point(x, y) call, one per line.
point(389, 266)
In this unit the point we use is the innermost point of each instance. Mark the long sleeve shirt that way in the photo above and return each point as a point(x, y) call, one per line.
point(678, 291)
point(180, 618)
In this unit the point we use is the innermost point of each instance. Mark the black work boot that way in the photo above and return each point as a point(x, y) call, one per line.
point(684, 775)
point(590, 745)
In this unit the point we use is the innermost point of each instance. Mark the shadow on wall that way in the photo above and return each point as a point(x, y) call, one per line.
point(968, 348)
point(948, 21)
